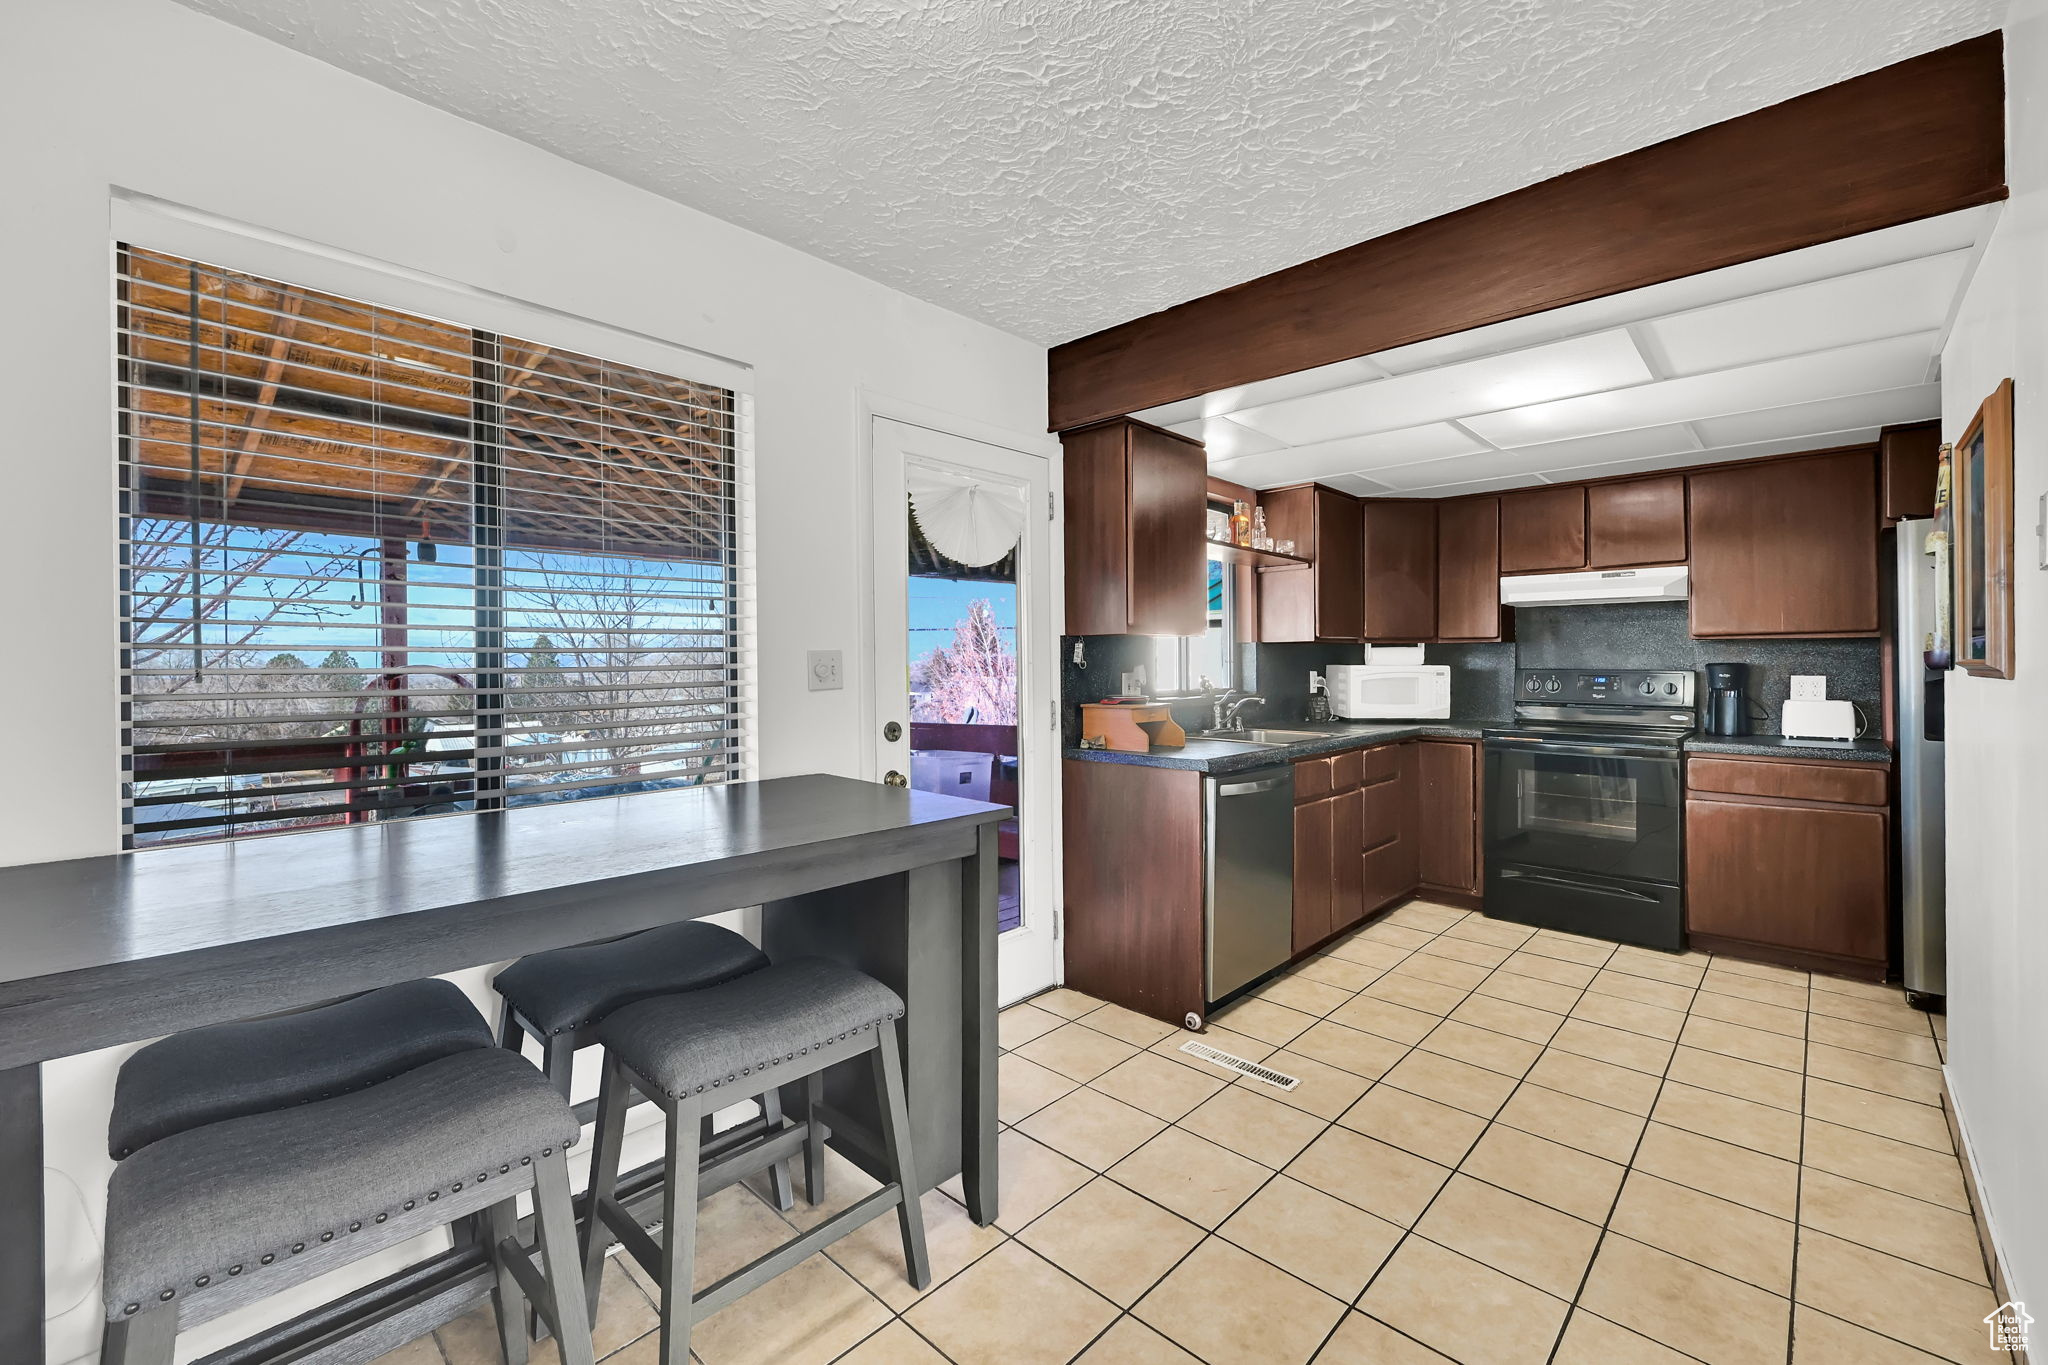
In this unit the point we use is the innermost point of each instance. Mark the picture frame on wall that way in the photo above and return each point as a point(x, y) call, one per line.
point(1982, 493)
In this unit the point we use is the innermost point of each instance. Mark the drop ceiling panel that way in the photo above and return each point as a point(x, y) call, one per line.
point(1581, 365)
point(1356, 484)
point(1620, 445)
point(1866, 368)
point(1836, 414)
point(1223, 402)
point(1299, 464)
point(1912, 296)
point(1223, 439)
point(1459, 469)
point(1453, 490)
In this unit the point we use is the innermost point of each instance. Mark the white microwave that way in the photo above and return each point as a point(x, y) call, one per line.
point(1389, 691)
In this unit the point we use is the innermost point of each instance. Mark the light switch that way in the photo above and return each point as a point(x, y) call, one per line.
point(824, 666)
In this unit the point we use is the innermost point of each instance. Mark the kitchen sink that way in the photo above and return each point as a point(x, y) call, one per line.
point(1260, 736)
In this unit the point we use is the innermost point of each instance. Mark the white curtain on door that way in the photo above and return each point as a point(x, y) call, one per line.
point(970, 519)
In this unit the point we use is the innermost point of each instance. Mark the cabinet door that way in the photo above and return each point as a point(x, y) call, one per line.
point(1169, 571)
point(1314, 892)
point(1468, 569)
point(1908, 458)
point(1339, 566)
point(1543, 529)
point(1447, 814)
point(1390, 863)
point(1809, 878)
point(1636, 521)
point(1786, 547)
point(1347, 873)
point(1400, 569)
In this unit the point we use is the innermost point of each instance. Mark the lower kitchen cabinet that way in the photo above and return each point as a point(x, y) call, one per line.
point(1355, 845)
point(1447, 817)
point(1314, 882)
point(1789, 861)
point(1132, 864)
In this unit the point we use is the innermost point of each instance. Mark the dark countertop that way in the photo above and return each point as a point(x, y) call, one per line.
point(1777, 746)
point(1225, 756)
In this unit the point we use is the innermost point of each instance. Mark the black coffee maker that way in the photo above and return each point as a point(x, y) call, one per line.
point(1727, 699)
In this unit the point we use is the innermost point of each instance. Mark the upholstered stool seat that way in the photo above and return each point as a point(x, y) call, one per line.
point(566, 989)
point(718, 1039)
point(225, 1071)
point(217, 1215)
point(692, 1054)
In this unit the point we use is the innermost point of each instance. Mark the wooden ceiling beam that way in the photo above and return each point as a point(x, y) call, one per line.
point(1923, 137)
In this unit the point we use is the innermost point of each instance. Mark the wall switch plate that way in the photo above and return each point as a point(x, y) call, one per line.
point(1809, 687)
point(824, 668)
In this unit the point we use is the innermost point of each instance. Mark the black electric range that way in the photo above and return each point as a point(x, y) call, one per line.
point(1585, 817)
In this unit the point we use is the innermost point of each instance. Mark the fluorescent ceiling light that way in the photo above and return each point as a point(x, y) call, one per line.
point(1299, 464)
point(1223, 439)
point(1582, 365)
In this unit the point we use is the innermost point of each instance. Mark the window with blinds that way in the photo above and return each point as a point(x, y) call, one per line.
point(377, 565)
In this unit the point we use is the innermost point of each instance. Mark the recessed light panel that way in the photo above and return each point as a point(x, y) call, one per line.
point(1582, 365)
point(1298, 464)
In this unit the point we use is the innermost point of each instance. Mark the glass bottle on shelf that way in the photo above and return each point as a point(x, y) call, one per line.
point(1241, 524)
point(1261, 539)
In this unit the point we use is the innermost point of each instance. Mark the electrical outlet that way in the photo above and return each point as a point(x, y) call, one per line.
point(824, 669)
point(1809, 687)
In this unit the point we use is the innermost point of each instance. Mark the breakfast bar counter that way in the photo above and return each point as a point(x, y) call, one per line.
point(122, 948)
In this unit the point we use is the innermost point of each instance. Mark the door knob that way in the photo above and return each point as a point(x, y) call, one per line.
point(892, 732)
point(895, 779)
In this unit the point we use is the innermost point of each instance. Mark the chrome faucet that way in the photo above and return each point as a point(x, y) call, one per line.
point(1225, 706)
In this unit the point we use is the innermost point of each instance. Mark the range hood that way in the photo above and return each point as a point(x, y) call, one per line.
point(1666, 583)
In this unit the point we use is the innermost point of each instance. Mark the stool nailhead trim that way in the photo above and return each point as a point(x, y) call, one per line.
point(804, 1051)
point(356, 1225)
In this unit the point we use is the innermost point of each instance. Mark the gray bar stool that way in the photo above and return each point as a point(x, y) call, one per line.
point(559, 997)
point(687, 1053)
point(233, 1197)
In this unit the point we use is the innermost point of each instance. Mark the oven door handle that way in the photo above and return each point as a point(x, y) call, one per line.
point(1569, 884)
point(1573, 749)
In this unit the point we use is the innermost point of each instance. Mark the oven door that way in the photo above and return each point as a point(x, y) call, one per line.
point(1605, 810)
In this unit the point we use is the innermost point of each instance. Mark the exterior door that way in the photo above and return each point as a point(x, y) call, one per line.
point(964, 692)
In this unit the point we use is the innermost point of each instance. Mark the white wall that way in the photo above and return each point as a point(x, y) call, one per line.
point(146, 96)
point(1998, 731)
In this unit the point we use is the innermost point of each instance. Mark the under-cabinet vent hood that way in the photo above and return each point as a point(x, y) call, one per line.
point(1666, 583)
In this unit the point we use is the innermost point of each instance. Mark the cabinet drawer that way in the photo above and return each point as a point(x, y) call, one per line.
point(1852, 784)
point(1314, 779)
point(1385, 814)
point(1347, 770)
point(1381, 764)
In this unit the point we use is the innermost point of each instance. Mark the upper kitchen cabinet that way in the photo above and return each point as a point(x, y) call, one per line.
point(1325, 600)
point(1400, 569)
point(1136, 498)
point(1467, 569)
point(1543, 529)
point(1786, 547)
point(1907, 460)
point(1633, 522)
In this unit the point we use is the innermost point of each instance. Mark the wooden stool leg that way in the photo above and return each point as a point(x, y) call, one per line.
point(896, 1141)
point(554, 1220)
point(612, 1094)
point(147, 1338)
point(814, 1140)
point(778, 1174)
point(501, 1223)
point(679, 1233)
point(560, 1051)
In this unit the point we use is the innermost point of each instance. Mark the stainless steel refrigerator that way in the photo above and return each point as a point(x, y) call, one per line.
point(1923, 860)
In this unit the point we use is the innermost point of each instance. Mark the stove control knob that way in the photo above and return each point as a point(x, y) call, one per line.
point(1671, 689)
point(1647, 688)
point(1533, 685)
point(1552, 685)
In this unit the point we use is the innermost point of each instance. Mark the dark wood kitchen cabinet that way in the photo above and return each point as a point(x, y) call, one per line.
point(1786, 546)
point(1543, 530)
point(1400, 587)
point(1132, 876)
point(1325, 600)
point(1789, 861)
point(1908, 458)
point(1387, 852)
point(1136, 498)
point(1354, 838)
point(1468, 569)
point(1447, 816)
point(1633, 522)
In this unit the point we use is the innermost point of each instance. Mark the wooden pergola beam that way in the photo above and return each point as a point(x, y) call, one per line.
point(1923, 137)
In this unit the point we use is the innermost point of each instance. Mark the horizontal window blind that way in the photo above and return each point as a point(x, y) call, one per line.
point(378, 565)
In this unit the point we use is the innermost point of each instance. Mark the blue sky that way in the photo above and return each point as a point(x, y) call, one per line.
point(936, 604)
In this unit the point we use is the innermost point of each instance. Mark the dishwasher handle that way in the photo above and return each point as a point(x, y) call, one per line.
point(1249, 788)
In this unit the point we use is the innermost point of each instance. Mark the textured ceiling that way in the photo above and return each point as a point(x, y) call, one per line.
point(1058, 166)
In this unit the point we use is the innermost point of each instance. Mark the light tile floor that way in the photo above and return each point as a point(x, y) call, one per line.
point(1507, 1146)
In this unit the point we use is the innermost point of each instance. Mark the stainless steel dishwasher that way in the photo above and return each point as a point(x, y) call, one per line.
point(1248, 876)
